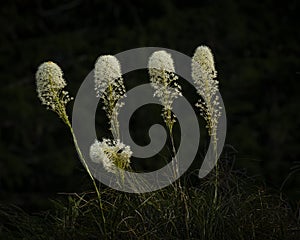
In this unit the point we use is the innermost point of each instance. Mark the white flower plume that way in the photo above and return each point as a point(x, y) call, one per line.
point(164, 81)
point(108, 73)
point(112, 154)
point(161, 60)
point(109, 86)
point(204, 74)
point(50, 82)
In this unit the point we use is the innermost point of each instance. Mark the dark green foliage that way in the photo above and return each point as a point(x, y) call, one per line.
point(243, 211)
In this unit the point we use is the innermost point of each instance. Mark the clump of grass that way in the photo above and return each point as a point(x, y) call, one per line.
point(244, 211)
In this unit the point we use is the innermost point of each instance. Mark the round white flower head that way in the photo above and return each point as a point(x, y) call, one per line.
point(50, 82)
point(161, 60)
point(164, 81)
point(107, 72)
point(203, 62)
point(204, 74)
point(112, 154)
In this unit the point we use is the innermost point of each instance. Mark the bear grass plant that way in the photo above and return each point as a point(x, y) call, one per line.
point(224, 205)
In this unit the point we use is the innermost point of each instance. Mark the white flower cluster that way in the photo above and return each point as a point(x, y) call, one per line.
point(163, 79)
point(204, 74)
point(50, 82)
point(161, 60)
point(109, 86)
point(109, 83)
point(111, 154)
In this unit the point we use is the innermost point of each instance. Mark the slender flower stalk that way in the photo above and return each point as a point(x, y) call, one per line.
point(164, 81)
point(109, 86)
point(50, 84)
point(204, 76)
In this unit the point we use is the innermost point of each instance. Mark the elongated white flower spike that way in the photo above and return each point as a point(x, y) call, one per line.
point(50, 84)
point(109, 86)
point(204, 74)
point(112, 154)
point(109, 83)
point(164, 82)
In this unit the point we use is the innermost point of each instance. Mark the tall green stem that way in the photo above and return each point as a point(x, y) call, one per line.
point(217, 168)
point(88, 170)
point(176, 172)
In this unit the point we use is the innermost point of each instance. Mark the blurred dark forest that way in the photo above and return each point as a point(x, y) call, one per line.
point(257, 54)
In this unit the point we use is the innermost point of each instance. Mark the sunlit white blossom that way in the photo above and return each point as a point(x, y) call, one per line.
point(50, 84)
point(108, 72)
point(109, 86)
point(161, 60)
point(112, 154)
point(164, 81)
point(204, 74)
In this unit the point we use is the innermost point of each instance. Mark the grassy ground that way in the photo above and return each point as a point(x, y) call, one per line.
point(243, 211)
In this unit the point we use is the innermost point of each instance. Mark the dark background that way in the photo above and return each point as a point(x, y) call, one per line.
point(256, 48)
